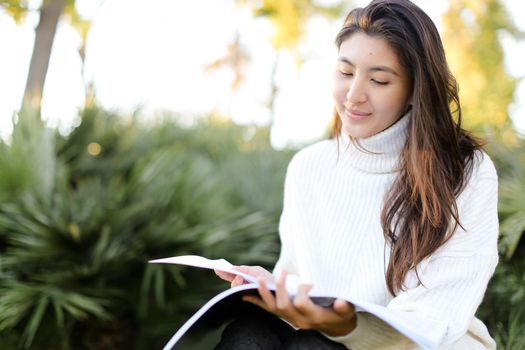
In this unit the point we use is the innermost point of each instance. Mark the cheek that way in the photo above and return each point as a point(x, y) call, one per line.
point(391, 100)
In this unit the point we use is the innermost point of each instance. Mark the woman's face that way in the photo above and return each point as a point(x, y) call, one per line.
point(371, 88)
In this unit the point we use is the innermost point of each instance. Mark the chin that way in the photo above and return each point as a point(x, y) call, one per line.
point(356, 133)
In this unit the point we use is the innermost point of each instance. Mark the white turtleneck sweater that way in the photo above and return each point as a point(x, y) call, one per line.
point(331, 237)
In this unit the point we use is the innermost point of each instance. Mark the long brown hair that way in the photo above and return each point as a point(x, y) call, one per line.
point(419, 213)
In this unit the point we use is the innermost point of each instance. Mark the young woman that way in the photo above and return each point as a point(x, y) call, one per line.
point(398, 208)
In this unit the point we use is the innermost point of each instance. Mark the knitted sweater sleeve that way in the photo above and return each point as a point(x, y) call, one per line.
point(453, 279)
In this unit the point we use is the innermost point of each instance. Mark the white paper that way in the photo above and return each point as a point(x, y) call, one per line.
point(199, 261)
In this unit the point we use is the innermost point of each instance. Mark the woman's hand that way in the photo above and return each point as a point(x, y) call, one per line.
point(255, 271)
point(301, 312)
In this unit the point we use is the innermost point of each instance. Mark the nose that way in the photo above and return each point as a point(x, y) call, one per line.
point(356, 93)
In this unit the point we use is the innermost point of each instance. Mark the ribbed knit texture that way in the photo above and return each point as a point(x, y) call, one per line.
point(331, 237)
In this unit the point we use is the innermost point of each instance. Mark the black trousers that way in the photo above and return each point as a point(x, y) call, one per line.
point(263, 331)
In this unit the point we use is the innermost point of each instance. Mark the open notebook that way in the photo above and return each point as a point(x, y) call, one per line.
point(424, 332)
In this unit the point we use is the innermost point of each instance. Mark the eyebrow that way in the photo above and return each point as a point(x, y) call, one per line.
point(371, 69)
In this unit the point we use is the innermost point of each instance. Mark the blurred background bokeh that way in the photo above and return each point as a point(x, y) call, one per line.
point(133, 130)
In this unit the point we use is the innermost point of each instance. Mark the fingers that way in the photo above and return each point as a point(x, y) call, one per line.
point(266, 296)
point(301, 311)
point(343, 308)
point(225, 275)
point(302, 301)
point(237, 281)
point(282, 298)
point(256, 271)
point(281, 304)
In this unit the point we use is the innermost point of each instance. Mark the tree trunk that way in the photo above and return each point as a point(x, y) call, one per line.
point(44, 36)
point(274, 89)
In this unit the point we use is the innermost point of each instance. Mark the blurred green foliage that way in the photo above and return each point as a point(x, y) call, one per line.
point(81, 215)
point(503, 308)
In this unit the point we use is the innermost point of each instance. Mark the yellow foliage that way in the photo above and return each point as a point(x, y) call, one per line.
point(286, 18)
point(475, 56)
point(15, 8)
point(289, 16)
point(80, 24)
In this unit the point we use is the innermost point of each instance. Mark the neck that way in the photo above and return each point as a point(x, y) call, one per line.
point(378, 153)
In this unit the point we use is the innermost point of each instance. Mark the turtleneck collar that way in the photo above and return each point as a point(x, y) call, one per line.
point(378, 153)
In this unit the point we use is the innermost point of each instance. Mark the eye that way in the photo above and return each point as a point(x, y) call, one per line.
point(379, 82)
point(346, 74)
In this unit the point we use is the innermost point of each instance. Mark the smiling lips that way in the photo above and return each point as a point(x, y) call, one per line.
point(357, 115)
